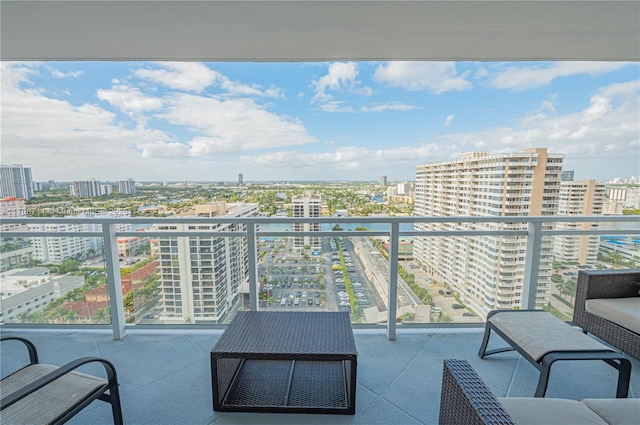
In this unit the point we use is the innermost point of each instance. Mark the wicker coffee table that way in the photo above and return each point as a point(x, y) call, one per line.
point(285, 362)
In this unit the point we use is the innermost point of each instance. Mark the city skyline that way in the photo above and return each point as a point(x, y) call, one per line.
point(160, 121)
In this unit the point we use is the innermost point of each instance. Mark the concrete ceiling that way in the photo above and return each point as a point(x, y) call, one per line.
point(295, 30)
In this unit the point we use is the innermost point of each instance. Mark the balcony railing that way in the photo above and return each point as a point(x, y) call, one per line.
point(534, 230)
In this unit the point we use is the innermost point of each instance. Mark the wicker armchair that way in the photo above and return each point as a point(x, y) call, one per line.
point(466, 399)
point(607, 284)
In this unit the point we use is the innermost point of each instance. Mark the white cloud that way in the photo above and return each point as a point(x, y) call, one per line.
point(449, 120)
point(343, 158)
point(188, 76)
point(196, 77)
point(77, 141)
point(335, 106)
point(205, 146)
point(163, 150)
point(341, 78)
point(393, 106)
point(601, 131)
point(529, 77)
point(233, 125)
point(435, 77)
point(623, 92)
point(130, 100)
point(52, 135)
point(213, 137)
point(13, 75)
point(56, 73)
point(238, 89)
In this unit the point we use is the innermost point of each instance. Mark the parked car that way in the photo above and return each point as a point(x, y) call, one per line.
point(457, 306)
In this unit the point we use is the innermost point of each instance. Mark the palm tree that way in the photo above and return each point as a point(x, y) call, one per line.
point(102, 316)
point(615, 257)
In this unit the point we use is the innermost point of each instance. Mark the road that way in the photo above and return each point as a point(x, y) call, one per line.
point(377, 270)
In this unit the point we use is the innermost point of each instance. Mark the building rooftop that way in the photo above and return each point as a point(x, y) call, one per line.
point(165, 375)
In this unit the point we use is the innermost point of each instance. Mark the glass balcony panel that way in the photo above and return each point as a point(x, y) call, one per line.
point(572, 253)
point(53, 280)
point(204, 279)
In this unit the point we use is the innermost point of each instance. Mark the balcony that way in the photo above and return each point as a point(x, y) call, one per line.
point(165, 375)
point(164, 369)
point(153, 362)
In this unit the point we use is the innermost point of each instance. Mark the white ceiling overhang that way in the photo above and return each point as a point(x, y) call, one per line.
point(295, 30)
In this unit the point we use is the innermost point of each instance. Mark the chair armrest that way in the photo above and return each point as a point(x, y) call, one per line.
point(62, 370)
point(33, 353)
point(609, 283)
point(466, 399)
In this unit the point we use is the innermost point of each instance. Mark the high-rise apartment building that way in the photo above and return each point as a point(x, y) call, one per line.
point(17, 252)
point(56, 249)
point(16, 181)
point(584, 197)
point(13, 207)
point(95, 245)
point(86, 188)
point(240, 179)
point(627, 196)
point(307, 205)
point(201, 278)
point(127, 187)
point(105, 189)
point(487, 271)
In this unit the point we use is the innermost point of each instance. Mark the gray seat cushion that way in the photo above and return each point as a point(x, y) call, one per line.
point(538, 333)
point(616, 411)
point(549, 411)
point(622, 311)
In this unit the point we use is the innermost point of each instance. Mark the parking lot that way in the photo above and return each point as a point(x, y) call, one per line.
point(316, 283)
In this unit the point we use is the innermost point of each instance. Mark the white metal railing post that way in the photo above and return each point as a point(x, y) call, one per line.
point(394, 237)
point(114, 282)
point(532, 265)
point(252, 246)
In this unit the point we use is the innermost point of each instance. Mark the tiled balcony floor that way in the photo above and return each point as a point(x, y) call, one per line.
point(165, 376)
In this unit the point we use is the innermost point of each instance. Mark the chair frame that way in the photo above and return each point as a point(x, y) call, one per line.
point(107, 392)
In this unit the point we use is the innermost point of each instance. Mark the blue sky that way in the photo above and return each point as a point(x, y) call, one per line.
point(311, 121)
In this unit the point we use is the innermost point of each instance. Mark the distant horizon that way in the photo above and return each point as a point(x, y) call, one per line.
point(245, 182)
point(351, 121)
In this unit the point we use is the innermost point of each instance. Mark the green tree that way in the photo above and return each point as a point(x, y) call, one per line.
point(615, 258)
point(102, 316)
point(69, 265)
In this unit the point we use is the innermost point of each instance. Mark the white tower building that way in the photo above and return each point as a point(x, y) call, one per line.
point(486, 271)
